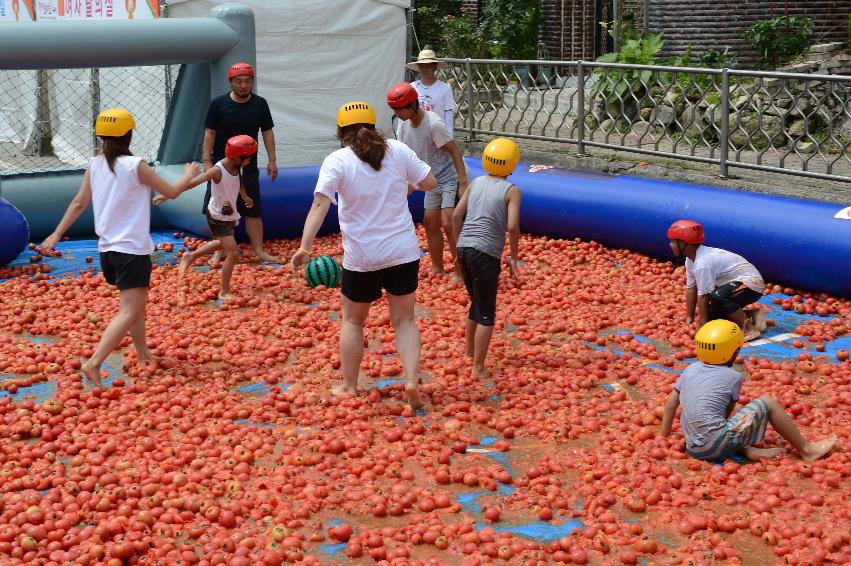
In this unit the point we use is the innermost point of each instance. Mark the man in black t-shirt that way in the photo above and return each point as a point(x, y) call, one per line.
point(242, 112)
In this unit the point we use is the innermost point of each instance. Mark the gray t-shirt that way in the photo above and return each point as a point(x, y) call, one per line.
point(487, 216)
point(427, 141)
point(705, 392)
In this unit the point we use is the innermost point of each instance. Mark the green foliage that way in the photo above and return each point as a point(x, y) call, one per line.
point(429, 20)
point(510, 28)
point(780, 39)
point(462, 38)
point(635, 50)
point(714, 59)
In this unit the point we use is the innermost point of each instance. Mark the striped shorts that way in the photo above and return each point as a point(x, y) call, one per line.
point(743, 429)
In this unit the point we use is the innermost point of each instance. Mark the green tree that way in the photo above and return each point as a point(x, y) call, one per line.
point(429, 23)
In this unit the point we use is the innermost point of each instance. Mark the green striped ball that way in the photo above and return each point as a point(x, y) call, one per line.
point(323, 270)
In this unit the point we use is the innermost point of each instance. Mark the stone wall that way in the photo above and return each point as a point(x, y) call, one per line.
point(721, 23)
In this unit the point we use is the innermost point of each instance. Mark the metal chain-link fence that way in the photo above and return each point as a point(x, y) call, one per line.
point(47, 116)
point(792, 123)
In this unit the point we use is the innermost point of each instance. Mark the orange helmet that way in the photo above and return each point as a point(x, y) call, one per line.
point(401, 95)
point(240, 69)
point(688, 231)
point(240, 146)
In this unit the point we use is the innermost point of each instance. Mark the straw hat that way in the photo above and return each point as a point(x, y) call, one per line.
point(427, 56)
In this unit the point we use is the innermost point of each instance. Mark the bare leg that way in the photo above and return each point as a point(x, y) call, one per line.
point(131, 306)
point(481, 342)
point(254, 228)
point(744, 322)
point(446, 220)
point(786, 427)
point(755, 454)
point(189, 258)
point(140, 341)
point(407, 343)
point(228, 244)
point(469, 337)
point(351, 345)
point(434, 239)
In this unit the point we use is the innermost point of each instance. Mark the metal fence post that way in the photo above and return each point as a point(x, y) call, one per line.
point(725, 123)
point(468, 68)
point(94, 89)
point(580, 112)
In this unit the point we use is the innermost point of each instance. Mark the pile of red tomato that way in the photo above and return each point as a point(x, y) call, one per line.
point(173, 464)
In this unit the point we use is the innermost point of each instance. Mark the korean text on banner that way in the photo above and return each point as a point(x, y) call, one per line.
point(97, 9)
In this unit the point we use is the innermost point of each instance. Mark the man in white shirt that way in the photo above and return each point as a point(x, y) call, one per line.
point(434, 95)
point(720, 282)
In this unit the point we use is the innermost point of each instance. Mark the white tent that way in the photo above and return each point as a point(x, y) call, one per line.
point(313, 56)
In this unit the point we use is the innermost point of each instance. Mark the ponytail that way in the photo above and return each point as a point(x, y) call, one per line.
point(114, 147)
point(368, 144)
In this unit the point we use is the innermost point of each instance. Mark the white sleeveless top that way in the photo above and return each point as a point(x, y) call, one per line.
point(122, 206)
point(222, 193)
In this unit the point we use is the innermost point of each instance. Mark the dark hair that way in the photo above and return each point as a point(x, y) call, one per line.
point(368, 144)
point(114, 147)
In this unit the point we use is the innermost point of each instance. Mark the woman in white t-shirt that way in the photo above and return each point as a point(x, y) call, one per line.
point(719, 282)
point(368, 179)
point(119, 187)
point(434, 95)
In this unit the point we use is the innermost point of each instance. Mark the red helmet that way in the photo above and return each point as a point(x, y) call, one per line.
point(240, 146)
point(240, 69)
point(688, 231)
point(401, 95)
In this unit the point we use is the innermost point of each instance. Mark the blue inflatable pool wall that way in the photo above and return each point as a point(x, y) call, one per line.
point(791, 241)
point(14, 232)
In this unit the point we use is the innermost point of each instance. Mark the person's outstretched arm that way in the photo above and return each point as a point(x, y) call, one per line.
point(312, 223)
point(77, 206)
point(191, 173)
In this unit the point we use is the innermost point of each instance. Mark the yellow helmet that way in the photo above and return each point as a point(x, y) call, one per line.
point(717, 341)
point(355, 113)
point(500, 157)
point(114, 123)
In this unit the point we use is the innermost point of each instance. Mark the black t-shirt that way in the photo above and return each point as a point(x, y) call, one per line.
point(229, 118)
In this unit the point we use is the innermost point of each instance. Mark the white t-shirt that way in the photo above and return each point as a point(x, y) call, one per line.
point(223, 193)
point(713, 267)
point(375, 221)
point(437, 98)
point(122, 206)
point(427, 141)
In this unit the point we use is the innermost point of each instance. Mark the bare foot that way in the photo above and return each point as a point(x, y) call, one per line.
point(223, 296)
point(412, 396)
point(93, 374)
point(185, 263)
point(816, 450)
point(265, 258)
point(755, 454)
point(481, 373)
point(437, 272)
point(759, 321)
point(145, 357)
point(342, 390)
point(217, 257)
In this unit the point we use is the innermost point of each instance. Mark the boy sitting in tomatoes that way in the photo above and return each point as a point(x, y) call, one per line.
point(708, 390)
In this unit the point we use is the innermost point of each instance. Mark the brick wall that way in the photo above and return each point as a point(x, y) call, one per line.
point(721, 23)
point(571, 37)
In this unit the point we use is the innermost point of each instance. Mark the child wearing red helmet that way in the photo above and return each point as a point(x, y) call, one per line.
point(720, 282)
point(425, 133)
point(225, 179)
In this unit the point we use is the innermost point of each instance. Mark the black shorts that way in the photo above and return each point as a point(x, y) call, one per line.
point(251, 183)
point(730, 297)
point(480, 272)
point(220, 228)
point(366, 286)
point(126, 271)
